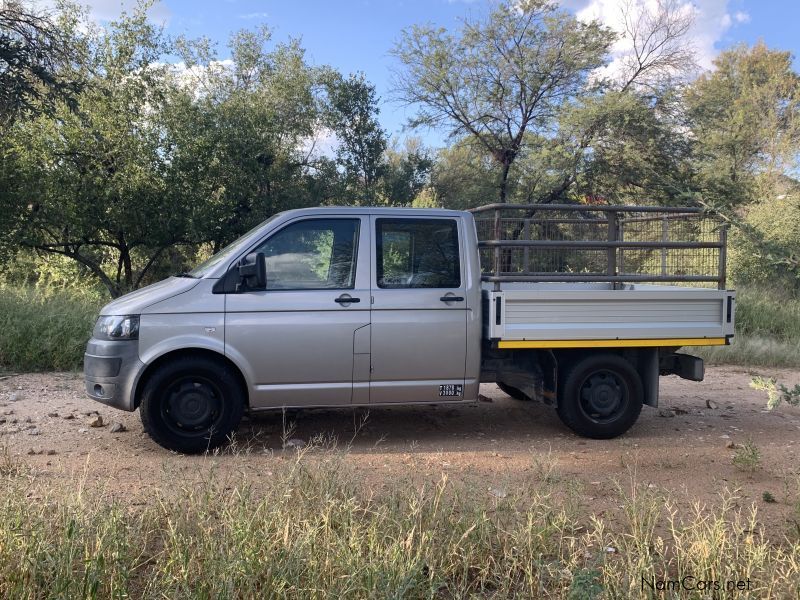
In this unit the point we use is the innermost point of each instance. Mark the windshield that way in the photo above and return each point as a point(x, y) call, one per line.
point(228, 251)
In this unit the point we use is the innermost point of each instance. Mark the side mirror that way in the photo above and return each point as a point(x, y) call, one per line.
point(252, 272)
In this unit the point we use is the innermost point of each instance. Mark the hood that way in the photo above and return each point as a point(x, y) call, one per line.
point(136, 302)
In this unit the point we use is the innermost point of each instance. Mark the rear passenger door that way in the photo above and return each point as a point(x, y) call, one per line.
point(419, 310)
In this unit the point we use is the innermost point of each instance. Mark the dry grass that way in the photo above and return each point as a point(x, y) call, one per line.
point(753, 351)
point(316, 531)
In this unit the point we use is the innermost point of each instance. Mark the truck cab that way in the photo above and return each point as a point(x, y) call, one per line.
point(342, 307)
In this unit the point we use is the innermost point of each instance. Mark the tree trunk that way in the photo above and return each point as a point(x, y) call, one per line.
point(125, 256)
point(506, 167)
point(506, 253)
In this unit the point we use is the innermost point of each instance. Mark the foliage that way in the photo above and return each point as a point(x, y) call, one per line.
point(776, 392)
point(744, 117)
point(132, 165)
point(752, 351)
point(463, 177)
point(406, 172)
point(767, 253)
point(746, 139)
point(238, 131)
point(362, 143)
point(43, 330)
point(638, 152)
point(89, 183)
point(34, 48)
point(767, 331)
point(157, 161)
point(768, 312)
point(500, 79)
point(747, 457)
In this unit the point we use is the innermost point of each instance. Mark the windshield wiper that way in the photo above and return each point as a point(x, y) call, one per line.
point(185, 274)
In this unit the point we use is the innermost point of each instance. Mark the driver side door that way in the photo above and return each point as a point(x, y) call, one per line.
point(299, 337)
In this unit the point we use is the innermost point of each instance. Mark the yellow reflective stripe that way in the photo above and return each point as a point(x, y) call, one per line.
point(510, 344)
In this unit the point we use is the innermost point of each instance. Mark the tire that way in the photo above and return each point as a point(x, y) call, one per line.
point(515, 393)
point(192, 404)
point(600, 396)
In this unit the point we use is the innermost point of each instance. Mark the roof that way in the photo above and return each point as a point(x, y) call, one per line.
point(377, 210)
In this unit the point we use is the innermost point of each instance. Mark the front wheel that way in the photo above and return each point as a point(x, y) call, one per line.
point(600, 396)
point(192, 404)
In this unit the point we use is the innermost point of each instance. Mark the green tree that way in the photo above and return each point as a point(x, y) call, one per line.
point(745, 119)
point(406, 172)
point(239, 130)
point(89, 182)
point(745, 123)
point(463, 176)
point(35, 51)
point(156, 159)
point(498, 80)
point(639, 152)
point(352, 115)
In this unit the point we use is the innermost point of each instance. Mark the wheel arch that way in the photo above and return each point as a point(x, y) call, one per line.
point(644, 360)
point(183, 353)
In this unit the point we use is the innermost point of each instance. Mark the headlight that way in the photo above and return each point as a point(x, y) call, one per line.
point(125, 327)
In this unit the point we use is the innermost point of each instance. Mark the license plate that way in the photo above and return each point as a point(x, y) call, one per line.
point(451, 389)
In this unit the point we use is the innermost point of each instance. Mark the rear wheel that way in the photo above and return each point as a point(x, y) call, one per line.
point(600, 396)
point(515, 393)
point(192, 404)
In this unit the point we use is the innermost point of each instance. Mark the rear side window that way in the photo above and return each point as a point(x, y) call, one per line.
point(314, 254)
point(417, 253)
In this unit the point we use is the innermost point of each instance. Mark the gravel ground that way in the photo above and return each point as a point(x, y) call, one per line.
point(685, 447)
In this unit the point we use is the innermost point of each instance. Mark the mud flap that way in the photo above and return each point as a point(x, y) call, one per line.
point(648, 369)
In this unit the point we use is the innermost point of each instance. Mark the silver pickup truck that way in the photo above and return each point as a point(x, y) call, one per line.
point(327, 307)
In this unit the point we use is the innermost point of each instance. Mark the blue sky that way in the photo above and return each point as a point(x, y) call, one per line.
point(357, 35)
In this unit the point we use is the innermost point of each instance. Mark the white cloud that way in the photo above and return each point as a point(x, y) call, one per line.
point(711, 21)
point(322, 143)
point(196, 77)
point(107, 10)
point(741, 17)
point(254, 15)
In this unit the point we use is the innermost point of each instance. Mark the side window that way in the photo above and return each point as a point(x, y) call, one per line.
point(315, 254)
point(417, 253)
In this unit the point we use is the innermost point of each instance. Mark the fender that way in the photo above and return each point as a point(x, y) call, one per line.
point(165, 333)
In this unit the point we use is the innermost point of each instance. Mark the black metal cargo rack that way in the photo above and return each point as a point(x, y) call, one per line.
point(600, 243)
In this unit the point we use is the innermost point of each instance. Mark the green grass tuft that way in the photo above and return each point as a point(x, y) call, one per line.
point(44, 330)
point(768, 313)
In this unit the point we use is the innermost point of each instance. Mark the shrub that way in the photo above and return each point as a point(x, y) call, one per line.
point(747, 457)
point(41, 330)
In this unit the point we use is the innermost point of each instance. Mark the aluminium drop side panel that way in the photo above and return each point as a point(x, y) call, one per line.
point(639, 312)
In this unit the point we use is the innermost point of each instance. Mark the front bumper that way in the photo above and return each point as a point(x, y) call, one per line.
point(110, 371)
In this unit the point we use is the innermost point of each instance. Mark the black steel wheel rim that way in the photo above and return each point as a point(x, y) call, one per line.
point(192, 406)
point(603, 396)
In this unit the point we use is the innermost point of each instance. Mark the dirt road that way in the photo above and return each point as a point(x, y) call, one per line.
point(684, 447)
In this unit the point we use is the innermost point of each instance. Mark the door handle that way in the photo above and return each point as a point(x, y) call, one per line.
point(346, 299)
point(452, 298)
